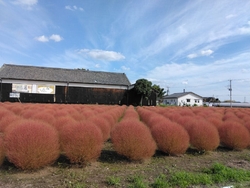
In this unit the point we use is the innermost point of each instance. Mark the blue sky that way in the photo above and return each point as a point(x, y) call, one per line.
point(196, 45)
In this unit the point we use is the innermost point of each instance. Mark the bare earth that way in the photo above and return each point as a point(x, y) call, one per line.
point(110, 164)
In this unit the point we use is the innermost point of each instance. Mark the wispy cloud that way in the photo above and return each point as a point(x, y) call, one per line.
point(54, 37)
point(102, 54)
point(230, 16)
point(42, 38)
point(73, 8)
point(202, 53)
point(26, 3)
point(207, 52)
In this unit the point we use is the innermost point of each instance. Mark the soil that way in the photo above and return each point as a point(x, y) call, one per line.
point(110, 164)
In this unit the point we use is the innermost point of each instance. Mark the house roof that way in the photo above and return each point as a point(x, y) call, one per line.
point(34, 73)
point(178, 95)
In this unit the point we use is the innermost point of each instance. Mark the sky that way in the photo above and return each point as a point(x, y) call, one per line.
point(191, 45)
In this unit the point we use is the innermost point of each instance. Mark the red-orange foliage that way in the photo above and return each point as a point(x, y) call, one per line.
point(233, 135)
point(31, 144)
point(133, 139)
point(130, 113)
point(170, 137)
point(217, 122)
point(2, 153)
point(82, 141)
point(103, 125)
point(44, 116)
point(61, 121)
point(203, 135)
point(7, 120)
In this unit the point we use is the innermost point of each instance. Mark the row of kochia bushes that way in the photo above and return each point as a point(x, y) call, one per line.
point(35, 135)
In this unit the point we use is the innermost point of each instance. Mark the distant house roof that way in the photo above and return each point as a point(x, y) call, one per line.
point(34, 73)
point(178, 95)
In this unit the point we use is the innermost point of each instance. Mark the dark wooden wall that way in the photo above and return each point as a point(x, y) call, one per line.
point(81, 95)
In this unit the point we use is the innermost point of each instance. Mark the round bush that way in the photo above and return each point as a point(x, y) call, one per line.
point(133, 139)
point(233, 135)
point(204, 135)
point(103, 125)
point(2, 154)
point(31, 144)
point(170, 137)
point(81, 142)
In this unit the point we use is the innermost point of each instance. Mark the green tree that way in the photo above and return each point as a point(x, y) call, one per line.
point(144, 88)
point(159, 91)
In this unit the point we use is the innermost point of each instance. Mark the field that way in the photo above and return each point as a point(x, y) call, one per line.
point(59, 145)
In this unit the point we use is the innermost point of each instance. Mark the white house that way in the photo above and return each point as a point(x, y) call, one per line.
point(184, 98)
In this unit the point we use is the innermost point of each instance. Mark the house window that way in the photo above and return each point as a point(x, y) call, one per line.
point(188, 100)
point(196, 100)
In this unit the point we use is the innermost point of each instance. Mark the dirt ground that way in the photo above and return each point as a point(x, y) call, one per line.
point(110, 164)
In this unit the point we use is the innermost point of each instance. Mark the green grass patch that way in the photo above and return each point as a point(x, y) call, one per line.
point(113, 181)
point(137, 181)
point(220, 173)
point(216, 174)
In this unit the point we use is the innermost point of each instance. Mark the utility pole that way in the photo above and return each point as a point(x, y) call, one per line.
point(167, 90)
point(230, 89)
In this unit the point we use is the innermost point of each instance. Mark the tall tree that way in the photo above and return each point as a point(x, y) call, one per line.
point(144, 88)
point(159, 91)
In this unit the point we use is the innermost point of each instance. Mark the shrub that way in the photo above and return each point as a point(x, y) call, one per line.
point(103, 125)
point(233, 135)
point(204, 135)
point(44, 116)
point(133, 139)
point(2, 153)
point(170, 137)
point(81, 142)
point(61, 121)
point(215, 121)
point(7, 120)
point(131, 113)
point(31, 144)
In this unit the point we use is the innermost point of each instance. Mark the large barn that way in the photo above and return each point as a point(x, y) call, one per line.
point(57, 85)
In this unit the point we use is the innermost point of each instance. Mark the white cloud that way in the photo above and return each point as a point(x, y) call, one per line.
point(73, 8)
point(68, 8)
point(245, 30)
point(191, 56)
point(202, 53)
point(42, 38)
point(206, 52)
point(27, 3)
point(102, 54)
point(56, 38)
point(125, 68)
point(230, 16)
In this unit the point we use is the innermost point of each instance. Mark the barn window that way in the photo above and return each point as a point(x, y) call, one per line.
point(188, 100)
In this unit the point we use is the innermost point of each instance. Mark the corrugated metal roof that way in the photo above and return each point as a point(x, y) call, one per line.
point(21, 72)
point(178, 95)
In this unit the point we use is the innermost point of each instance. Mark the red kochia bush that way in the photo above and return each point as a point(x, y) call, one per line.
point(2, 154)
point(233, 135)
point(103, 125)
point(203, 135)
point(133, 139)
point(31, 144)
point(170, 137)
point(81, 141)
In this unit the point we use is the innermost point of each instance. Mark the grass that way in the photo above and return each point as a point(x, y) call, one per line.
point(113, 181)
point(137, 181)
point(162, 172)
